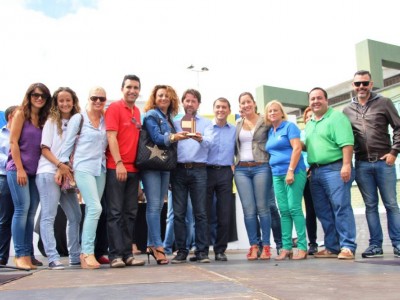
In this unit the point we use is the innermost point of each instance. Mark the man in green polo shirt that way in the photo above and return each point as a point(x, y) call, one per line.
point(329, 142)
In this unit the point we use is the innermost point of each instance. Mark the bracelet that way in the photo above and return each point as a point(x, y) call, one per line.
point(116, 164)
point(59, 164)
point(291, 169)
point(172, 138)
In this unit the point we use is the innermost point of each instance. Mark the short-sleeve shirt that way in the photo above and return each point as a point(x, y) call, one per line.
point(125, 120)
point(326, 137)
point(54, 141)
point(280, 150)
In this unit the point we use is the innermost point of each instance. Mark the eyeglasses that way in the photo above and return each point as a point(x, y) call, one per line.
point(95, 98)
point(137, 124)
point(363, 83)
point(37, 96)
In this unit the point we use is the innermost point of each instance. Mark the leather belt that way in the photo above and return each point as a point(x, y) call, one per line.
point(313, 166)
point(370, 159)
point(217, 167)
point(250, 163)
point(191, 165)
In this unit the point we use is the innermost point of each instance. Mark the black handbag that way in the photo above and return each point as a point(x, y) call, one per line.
point(151, 156)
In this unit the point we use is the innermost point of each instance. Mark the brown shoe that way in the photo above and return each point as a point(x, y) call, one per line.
point(253, 253)
point(131, 261)
point(88, 261)
point(117, 263)
point(325, 254)
point(20, 262)
point(283, 254)
point(160, 256)
point(345, 253)
point(29, 262)
point(301, 254)
point(266, 253)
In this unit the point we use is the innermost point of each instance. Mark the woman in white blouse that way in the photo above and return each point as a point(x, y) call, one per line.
point(64, 104)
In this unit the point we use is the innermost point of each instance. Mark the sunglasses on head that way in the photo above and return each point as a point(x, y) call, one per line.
point(37, 96)
point(95, 98)
point(364, 83)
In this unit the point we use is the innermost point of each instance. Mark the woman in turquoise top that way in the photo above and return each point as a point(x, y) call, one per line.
point(289, 177)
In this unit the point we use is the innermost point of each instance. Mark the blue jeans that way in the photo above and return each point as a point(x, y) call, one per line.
point(155, 185)
point(91, 188)
point(50, 196)
point(6, 215)
point(169, 230)
point(26, 201)
point(373, 176)
point(254, 185)
point(332, 203)
point(193, 182)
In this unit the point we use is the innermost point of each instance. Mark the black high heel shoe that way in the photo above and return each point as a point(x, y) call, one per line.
point(149, 251)
point(152, 251)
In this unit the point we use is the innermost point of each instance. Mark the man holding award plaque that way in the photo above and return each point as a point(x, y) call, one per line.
point(190, 179)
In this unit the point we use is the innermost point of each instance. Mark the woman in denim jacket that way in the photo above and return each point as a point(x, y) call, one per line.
point(161, 107)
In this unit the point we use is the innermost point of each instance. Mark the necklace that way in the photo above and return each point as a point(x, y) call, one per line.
point(249, 125)
point(94, 121)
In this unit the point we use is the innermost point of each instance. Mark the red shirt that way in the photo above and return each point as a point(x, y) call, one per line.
point(119, 118)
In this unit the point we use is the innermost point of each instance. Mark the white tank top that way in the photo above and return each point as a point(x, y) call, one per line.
point(246, 149)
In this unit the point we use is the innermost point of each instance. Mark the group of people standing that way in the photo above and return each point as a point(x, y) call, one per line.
point(262, 154)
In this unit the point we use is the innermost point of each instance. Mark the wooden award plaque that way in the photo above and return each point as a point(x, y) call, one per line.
point(188, 124)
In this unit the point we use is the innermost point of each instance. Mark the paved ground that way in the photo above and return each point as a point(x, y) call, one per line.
point(236, 279)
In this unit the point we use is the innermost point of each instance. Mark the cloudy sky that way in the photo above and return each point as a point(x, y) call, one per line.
point(244, 44)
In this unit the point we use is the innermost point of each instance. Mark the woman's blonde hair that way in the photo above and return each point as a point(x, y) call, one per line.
point(93, 90)
point(267, 107)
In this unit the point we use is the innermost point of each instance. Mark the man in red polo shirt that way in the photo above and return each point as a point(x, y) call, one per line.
point(123, 127)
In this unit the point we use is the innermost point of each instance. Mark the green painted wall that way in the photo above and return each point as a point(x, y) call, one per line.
point(372, 55)
point(287, 97)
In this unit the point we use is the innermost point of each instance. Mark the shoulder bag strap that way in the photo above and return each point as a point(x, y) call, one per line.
point(71, 157)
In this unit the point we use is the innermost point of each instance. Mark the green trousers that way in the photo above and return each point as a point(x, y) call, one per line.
point(289, 202)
